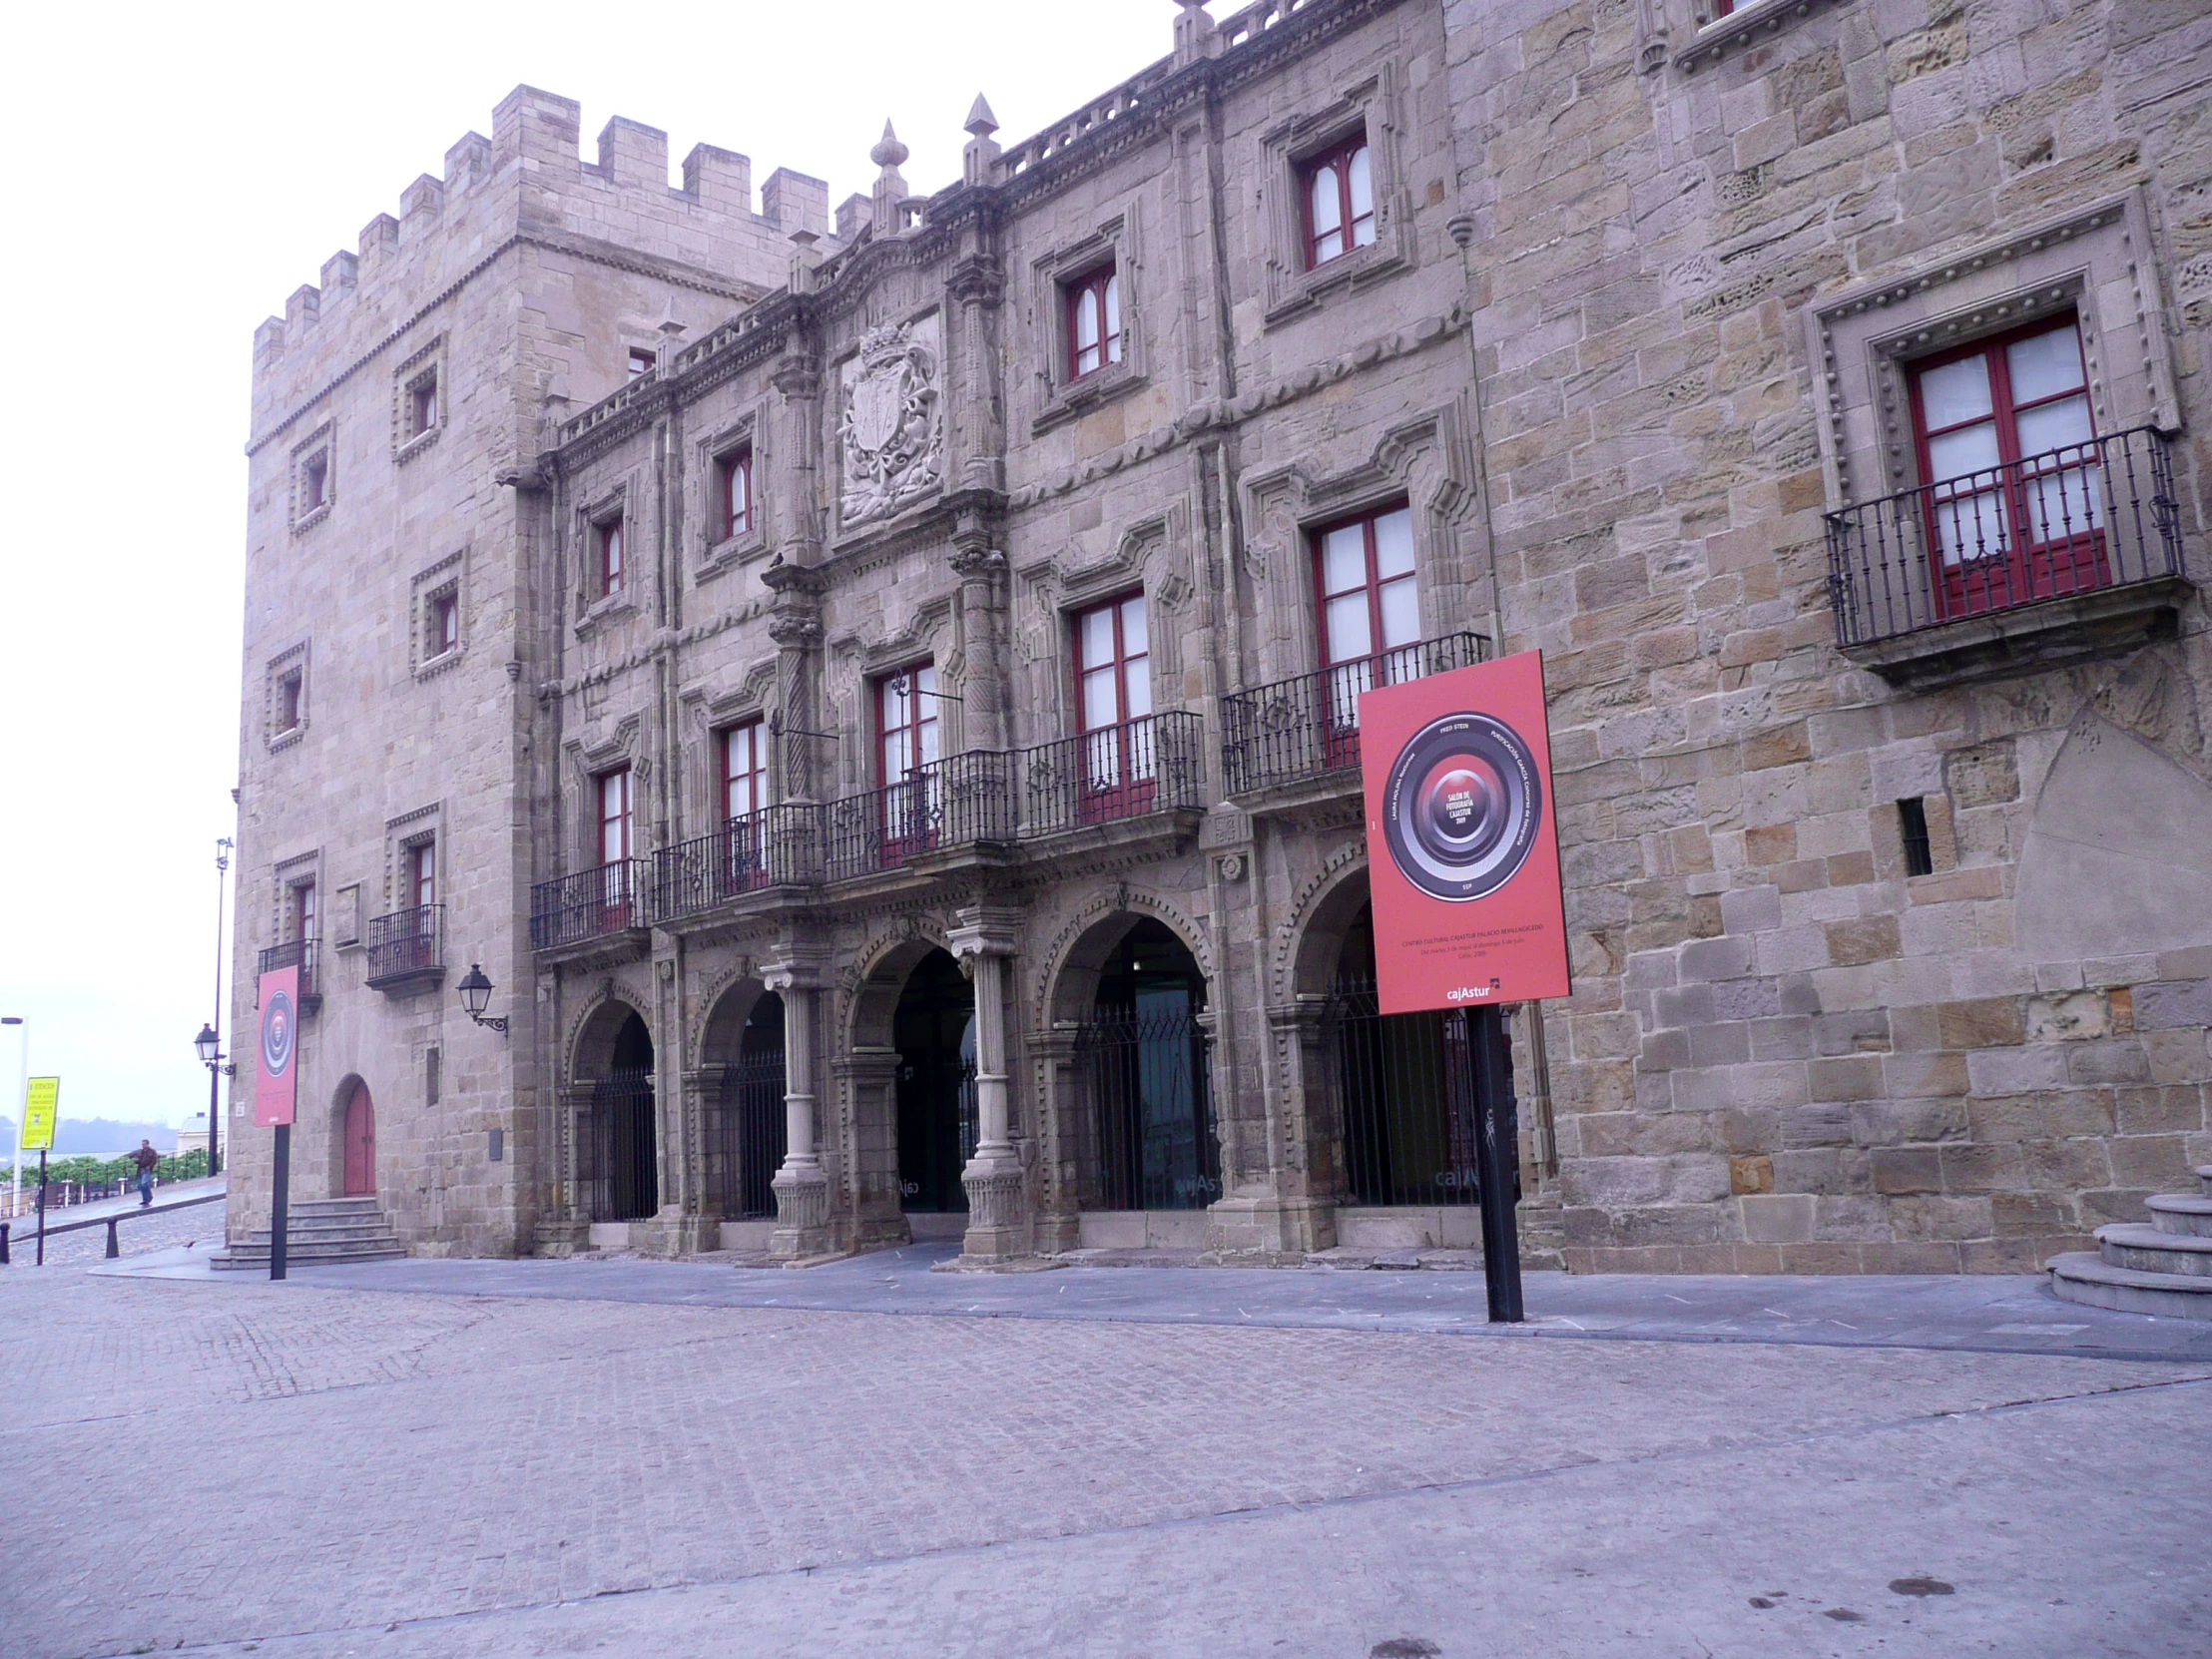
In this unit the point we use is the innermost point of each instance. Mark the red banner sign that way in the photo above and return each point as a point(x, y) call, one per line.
point(276, 1079)
point(1462, 846)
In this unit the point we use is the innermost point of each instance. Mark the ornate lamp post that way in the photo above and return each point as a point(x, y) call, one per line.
point(475, 992)
point(210, 1055)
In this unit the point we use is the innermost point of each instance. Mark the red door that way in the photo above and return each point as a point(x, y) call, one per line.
point(361, 1144)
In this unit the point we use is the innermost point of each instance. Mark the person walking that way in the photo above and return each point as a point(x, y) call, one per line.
point(146, 1158)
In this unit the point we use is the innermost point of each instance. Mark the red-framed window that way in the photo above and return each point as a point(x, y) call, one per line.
point(743, 768)
point(422, 874)
point(1093, 321)
point(290, 691)
point(1369, 610)
point(1337, 197)
point(1113, 692)
point(422, 406)
point(641, 361)
point(734, 492)
point(607, 539)
point(2007, 451)
point(613, 792)
point(300, 919)
point(446, 623)
point(1720, 9)
point(907, 719)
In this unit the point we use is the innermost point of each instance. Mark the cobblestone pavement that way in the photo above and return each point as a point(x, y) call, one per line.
point(306, 1470)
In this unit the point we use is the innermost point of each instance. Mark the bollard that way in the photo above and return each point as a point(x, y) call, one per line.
point(113, 1252)
point(3, 1244)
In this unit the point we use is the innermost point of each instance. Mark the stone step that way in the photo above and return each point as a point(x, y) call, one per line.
point(294, 1239)
point(2181, 1213)
point(250, 1255)
point(2204, 1174)
point(2092, 1280)
point(2147, 1250)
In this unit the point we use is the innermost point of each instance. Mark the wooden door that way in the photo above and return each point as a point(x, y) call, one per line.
point(361, 1144)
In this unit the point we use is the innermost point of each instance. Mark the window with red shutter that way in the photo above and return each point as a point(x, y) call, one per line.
point(1336, 191)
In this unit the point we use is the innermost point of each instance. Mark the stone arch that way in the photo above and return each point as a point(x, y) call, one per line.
point(591, 1046)
point(1305, 945)
point(726, 1017)
point(1073, 981)
point(1128, 906)
point(334, 1131)
point(871, 999)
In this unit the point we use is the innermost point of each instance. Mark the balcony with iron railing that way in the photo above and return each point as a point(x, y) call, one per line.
point(299, 953)
point(590, 905)
point(1307, 727)
point(963, 802)
point(1116, 775)
point(406, 950)
point(2074, 552)
point(774, 848)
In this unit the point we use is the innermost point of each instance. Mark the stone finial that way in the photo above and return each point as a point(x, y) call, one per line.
point(891, 187)
point(888, 152)
point(983, 151)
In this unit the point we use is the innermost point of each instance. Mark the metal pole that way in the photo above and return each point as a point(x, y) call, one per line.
point(1495, 1156)
point(22, 1110)
point(41, 1262)
point(222, 863)
point(280, 1197)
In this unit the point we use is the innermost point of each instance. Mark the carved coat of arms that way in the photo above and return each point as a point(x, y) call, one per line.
point(889, 428)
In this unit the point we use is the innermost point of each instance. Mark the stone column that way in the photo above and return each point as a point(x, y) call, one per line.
point(998, 1186)
point(983, 571)
point(802, 1185)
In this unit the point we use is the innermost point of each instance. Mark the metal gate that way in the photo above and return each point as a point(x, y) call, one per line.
point(1405, 1092)
point(749, 1139)
point(1157, 1147)
point(616, 1169)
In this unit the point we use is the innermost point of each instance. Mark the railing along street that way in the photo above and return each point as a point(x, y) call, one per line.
point(1308, 724)
point(2101, 514)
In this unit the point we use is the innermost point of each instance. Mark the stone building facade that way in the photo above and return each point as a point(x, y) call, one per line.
point(877, 699)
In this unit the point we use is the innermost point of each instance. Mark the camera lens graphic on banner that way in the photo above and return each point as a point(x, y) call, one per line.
point(1461, 807)
point(276, 1034)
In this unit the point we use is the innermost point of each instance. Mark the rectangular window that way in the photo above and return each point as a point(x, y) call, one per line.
point(422, 874)
point(300, 919)
point(1364, 572)
point(1920, 854)
point(907, 716)
point(2013, 491)
point(422, 406)
point(314, 482)
point(288, 691)
point(1093, 321)
point(744, 769)
point(614, 816)
point(1337, 192)
point(734, 490)
point(1113, 664)
point(641, 362)
point(445, 625)
point(607, 536)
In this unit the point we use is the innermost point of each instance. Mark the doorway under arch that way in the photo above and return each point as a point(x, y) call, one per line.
point(618, 1168)
point(750, 1125)
point(360, 1143)
point(933, 1029)
point(1404, 1088)
point(1143, 1051)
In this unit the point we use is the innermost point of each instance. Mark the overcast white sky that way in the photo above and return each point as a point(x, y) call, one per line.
point(179, 171)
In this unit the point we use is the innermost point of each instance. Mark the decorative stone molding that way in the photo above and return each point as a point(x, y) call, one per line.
point(427, 364)
point(1094, 909)
point(1366, 107)
point(1340, 865)
point(322, 445)
point(1115, 240)
point(890, 426)
point(445, 579)
point(281, 667)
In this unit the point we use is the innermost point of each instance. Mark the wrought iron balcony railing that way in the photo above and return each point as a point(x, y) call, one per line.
point(1309, 725)
point(406, 948)
point(960, 801)
point(299, 953)
point(2101, 514)
point(588, 904)
point(1153, 764)
point(777, 847)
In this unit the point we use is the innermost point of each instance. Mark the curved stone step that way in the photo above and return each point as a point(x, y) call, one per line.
point(2092, 1280)
point(2181, 1213)
point(256, 1256)
point(2130, 1243)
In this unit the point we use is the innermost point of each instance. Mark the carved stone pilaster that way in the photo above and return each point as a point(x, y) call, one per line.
point(794, 624)
point(983, 624)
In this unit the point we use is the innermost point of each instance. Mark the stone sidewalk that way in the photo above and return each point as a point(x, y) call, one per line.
point(615, 1460)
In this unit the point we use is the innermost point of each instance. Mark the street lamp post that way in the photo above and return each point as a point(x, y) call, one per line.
point(209, 1058)
point(22, 1092)
point(475, 992)
point(209, 1047)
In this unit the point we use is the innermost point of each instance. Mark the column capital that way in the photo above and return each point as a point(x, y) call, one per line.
point(983, 930)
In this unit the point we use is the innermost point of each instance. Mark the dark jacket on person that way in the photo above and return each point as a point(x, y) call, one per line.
point(145, 1158)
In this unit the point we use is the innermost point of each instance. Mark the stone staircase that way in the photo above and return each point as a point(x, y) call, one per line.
point(2165, 1267)
point(321, 1231)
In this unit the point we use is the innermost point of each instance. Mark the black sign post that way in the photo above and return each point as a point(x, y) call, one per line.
point(280, 1199)
point(1497, 1153)
point(41, 1262)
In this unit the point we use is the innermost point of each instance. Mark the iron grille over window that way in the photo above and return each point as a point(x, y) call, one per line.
point(615, 1148)
point(748, 1143)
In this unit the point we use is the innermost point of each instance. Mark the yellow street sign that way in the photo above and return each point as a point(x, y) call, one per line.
point(39, 1103)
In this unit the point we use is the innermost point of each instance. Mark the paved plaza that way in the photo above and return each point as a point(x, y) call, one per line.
point(437, 1460)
